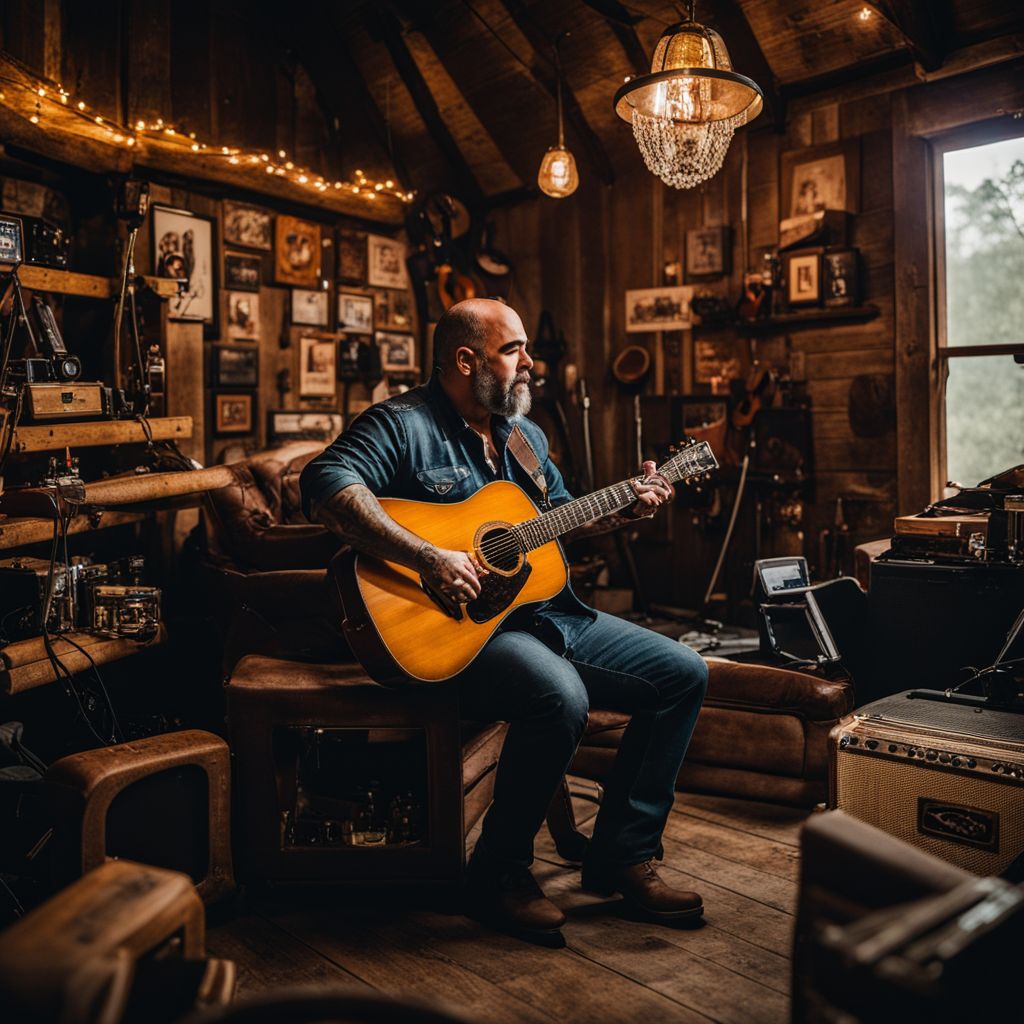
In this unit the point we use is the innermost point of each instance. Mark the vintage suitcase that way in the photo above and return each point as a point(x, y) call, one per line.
point(945, 774)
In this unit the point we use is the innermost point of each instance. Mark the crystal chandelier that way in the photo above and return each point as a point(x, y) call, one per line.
point(557, 176)
point(685, 111)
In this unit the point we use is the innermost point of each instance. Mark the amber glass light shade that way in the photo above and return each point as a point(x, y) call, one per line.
point(558, 176)
point(685, 111)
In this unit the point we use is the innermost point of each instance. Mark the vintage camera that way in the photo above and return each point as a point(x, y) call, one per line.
point(23, 586)
point(64, 365)
point(46, 244)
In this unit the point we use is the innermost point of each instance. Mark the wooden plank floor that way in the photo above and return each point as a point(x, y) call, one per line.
point(741, 856)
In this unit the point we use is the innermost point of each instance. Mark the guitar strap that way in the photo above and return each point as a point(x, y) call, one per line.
point(522, 451)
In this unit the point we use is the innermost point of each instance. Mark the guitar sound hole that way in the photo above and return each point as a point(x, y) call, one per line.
point(500, 549)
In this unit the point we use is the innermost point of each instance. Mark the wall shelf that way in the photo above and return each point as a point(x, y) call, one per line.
point(54, 436)
point(16, 531)
point(826, 316)
point(24, 665)
point(89, 286)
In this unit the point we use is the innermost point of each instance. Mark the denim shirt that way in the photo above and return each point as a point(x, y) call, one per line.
point(416, 445)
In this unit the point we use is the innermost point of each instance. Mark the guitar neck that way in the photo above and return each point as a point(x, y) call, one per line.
point(543, 529)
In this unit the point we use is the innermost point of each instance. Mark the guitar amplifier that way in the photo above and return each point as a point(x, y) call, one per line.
point(944, 774)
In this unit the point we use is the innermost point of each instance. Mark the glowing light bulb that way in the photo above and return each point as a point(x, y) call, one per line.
point(303, 179)
point(140, 125)
point(864, 14)
point(557, 176)
point(683, 100)
point(81, 105)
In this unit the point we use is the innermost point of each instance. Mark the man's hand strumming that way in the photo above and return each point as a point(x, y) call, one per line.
point(452, 573)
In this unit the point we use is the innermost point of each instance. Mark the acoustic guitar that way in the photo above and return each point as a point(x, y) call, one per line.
point(402, 630)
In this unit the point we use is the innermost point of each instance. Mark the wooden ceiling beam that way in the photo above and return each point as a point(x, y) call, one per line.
point(336, 78)
point(383, 24)
point(727, 18)
point(925, 27)
point(543, 72)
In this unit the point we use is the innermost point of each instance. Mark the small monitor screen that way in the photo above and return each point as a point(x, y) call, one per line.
point(783, 577)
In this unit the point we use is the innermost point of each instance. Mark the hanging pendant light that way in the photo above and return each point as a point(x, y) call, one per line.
point(557, 176)
point(685, 111)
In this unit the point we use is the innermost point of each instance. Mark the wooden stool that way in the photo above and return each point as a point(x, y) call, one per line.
point(276, 708)
point(72, 958)
point(163, 800)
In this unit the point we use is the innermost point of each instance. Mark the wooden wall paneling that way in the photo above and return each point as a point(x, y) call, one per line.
point(25, 25)
point(916, 374)
point(193, 103)
point(147, 79)
point(314, 140)
point(186, 396)
point(274, 312)
point(92, 54)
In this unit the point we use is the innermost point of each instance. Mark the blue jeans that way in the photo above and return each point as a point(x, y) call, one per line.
point(521, 678)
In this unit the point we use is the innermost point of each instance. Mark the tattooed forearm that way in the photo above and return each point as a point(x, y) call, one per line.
point(356, 516)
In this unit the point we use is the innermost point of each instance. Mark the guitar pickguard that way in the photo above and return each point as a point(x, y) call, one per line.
point(497, 593)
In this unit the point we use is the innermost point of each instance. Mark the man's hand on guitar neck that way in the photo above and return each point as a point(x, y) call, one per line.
point(652, 491)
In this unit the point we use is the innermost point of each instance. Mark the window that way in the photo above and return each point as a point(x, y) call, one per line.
point(981, 302)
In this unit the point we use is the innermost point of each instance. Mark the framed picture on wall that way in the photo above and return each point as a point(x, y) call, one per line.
point(241, 273)
point(397, 351)
point(707, 252)
point(317, 358)
point(296, 251)
point(841, 285)
point(232, 413)
point(246, 225)
point(393, 310)
point(289, 425)
point(658, 309)
point(803, 277)
point(352, 256)
point(310, 306)
point(820, 178)
point(183, 250)
point(386, 262)
point(235, 367)
point(355, 313)
point(244, 316)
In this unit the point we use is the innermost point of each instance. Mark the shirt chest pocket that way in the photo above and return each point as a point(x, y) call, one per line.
point(445, 480)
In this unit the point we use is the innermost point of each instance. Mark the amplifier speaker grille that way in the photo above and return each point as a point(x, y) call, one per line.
point(888, 794)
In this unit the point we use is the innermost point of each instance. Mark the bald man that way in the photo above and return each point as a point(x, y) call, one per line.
point(547, 663)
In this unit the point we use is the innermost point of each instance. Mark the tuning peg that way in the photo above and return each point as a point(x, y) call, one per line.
point(672, 449)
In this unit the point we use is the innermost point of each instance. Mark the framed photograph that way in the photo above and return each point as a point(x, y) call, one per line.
point(708, 252)
point(355, 313)
point(397, 351)
point(358, 358)
point(386, 262)
point(246, 225)
point(11, 248)
point(241, 273)
point(288, 425)
point(393, 311)
point(296, 252)
point(841, 286)
point(310, 306)
point(803, 277)
point(658, 309)
point(235, 367)
point(820, 178)
point(183, 251)
point(352, 257)
point(232, 413)
point(244, 316)
point(317, 367)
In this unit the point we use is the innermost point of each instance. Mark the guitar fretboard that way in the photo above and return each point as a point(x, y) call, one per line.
point(543, 529)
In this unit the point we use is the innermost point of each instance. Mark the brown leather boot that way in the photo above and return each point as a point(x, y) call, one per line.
point(645, 893)
point(514, 903)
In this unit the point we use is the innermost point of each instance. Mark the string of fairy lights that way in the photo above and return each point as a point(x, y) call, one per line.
point(276, 163)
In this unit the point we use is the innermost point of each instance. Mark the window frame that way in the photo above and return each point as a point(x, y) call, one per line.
point(965, 137)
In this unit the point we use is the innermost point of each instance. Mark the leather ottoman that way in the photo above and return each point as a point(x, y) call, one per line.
point(762, 734)
point(279, 711)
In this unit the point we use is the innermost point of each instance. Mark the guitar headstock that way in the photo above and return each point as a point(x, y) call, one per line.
point(689, 462)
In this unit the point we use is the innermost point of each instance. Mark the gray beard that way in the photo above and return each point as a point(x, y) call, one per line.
point(507, 401)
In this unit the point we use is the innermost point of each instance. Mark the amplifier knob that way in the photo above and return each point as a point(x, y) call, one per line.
point(844, 741)
point(854, 741)
point(955, 762)
point(871, 744)
point(971, 763)
point(944, 758)
point(997, 767)
point(931, 755)
point(892, 748)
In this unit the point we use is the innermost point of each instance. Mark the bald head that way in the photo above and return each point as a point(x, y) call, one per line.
point(467, 325)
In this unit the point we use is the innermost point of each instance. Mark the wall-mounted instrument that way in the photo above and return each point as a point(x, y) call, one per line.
point(399, 628)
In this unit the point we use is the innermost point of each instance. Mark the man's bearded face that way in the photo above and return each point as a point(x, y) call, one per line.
point(509, 396)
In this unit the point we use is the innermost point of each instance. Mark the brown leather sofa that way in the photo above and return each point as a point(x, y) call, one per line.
point(762, 734)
